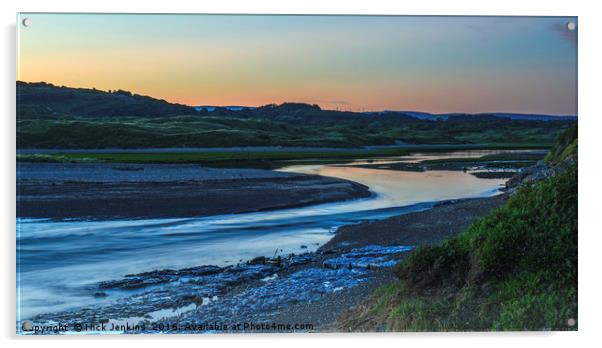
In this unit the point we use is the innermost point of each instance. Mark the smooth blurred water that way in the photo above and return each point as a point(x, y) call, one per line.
point(59, 263)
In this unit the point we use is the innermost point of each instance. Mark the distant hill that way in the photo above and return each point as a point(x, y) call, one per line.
point(291, 113)
point(309, 113)
point(51, 117)
point(44, 99)
point(461, 116)
point(536, 117)
point(419, 115)
point(212, 108)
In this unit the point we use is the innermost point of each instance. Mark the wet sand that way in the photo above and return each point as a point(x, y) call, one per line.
point(432, 226)
point(90, 192)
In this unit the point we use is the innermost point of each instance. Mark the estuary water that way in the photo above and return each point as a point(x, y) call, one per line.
point(59, 263)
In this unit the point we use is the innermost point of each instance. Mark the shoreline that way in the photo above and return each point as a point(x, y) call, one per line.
point(443, 221)
point(340, 274)
point(413, 147)
point(287, 288)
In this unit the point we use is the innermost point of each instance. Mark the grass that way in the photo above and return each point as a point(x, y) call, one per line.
point(238, 158)
point(513, 269)
point(566, 146)
point(205, 157)
point(71, 132)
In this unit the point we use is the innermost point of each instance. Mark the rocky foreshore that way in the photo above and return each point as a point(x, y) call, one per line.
point(254, 291)
point(284, 290)
point(539, 171)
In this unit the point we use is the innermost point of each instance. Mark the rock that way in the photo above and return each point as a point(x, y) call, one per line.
point(198, 300)
point(100, 294)
point(132, 283)
point(199, 271)
point(529, 174)
point(299, 260)
point(538, 172)
point(277, 261)
point(330, 265)
point(259, 260)
point(328, 252)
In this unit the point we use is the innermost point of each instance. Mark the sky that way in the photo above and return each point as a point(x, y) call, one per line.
point(357, 63)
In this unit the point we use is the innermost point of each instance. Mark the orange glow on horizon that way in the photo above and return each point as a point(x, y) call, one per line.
point(430, 64)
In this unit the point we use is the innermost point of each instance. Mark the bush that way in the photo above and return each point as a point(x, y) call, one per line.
point(513, 269)
point(566, 145)
point(446, 264)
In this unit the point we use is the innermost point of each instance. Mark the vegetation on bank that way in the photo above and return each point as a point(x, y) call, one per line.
point(267, 158)
point(565, 147)
point(513, 269)
point(518, 156)
point(502, 160)
point(493, 166)
point(234, 157)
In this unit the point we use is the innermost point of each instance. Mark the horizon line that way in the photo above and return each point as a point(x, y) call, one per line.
point(308, 103)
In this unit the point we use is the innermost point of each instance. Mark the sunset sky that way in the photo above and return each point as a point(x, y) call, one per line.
point(366, 63)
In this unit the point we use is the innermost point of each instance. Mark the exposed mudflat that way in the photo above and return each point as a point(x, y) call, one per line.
point(119, 191)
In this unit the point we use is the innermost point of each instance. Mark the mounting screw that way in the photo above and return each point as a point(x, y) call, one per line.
point(27, 326)
point(571, 26)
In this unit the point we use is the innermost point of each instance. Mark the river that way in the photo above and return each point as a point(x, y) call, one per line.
point(59, 262)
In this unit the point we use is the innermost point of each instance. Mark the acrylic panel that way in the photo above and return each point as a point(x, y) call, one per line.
point(295, 173)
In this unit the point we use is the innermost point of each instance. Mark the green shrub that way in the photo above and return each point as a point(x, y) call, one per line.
point(437, 265)
point(566, 145)
point(513, 269)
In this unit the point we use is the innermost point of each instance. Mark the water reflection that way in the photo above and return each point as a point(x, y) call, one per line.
point(62, 261)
